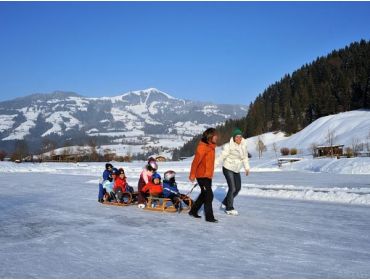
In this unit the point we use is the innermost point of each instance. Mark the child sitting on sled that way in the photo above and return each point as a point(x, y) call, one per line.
point(171, 191)
point(145, 177)
point(154, 187)
point(120, 185)
point(106, 182)
point(109, 185)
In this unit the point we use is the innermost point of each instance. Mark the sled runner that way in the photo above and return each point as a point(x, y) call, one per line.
point(127, 200)
point(161, 204)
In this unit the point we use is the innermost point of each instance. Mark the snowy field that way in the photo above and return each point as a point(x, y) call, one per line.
point(53, 227)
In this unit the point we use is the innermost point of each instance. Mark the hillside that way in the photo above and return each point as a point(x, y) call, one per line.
point(331, 84)
point(335, 83)
point(138, 120)
point(348, 128)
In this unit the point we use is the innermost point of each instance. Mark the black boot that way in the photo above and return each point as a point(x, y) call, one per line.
point(212, 220)
point(194, 215)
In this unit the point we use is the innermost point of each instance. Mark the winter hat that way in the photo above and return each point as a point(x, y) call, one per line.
point(170, 174)
point(107, 165)
point(151, 159)
point(237, 132)
point(115, 171)
point(152, 166)
point(156, 176)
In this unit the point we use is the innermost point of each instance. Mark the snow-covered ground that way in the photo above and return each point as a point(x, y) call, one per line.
point(53, 227)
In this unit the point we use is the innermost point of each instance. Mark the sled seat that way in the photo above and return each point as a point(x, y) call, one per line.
point(156, 203)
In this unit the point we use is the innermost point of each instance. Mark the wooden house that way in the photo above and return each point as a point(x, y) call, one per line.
point(329, 151)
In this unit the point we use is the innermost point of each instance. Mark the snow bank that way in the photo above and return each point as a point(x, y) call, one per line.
point(338, 195)
point(332, 165)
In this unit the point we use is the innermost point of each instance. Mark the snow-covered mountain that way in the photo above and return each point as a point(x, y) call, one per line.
point(137, 117)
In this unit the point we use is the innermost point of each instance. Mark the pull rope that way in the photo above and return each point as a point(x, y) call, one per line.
point(192, 189)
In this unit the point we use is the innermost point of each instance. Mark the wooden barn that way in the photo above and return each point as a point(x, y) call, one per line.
point(329, 151)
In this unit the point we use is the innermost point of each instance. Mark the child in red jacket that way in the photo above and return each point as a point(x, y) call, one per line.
point(154, 187)
point(120, 184)
point(120, 181)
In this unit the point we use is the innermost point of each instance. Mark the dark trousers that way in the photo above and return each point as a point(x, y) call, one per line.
point(234, 183)
point(101, 192)
point(141, 197)
point(205, 197)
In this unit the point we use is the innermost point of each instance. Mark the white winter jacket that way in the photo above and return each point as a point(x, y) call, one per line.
point(234, 156)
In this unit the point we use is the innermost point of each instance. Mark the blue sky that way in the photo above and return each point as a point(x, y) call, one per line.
point(221, 52)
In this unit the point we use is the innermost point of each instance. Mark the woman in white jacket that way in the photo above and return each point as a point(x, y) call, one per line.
point(234, 157)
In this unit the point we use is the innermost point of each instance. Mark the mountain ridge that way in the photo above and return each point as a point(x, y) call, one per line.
point(125, 118)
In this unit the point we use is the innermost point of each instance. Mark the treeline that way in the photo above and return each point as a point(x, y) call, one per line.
point(331, 84)
point(335, 83)
point(47, 152)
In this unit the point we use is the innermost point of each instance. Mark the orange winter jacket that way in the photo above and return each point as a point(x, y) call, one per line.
point(203, 164)
point(152, 188)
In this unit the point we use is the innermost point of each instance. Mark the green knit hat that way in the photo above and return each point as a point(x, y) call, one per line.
point(237, 132)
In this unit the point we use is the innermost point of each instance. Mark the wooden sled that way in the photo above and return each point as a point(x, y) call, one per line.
point(128, 199)
point(161, 204)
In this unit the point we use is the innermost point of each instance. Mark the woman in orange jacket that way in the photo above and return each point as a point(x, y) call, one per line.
point(202, 169)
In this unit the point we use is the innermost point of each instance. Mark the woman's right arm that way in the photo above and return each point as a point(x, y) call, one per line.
point(224, 154)
point(196, 161)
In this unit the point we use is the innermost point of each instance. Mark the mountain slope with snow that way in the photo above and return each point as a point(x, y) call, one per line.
point(346, 127)
point(120, 119)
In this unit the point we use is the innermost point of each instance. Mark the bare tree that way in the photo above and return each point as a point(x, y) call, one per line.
point(313, 148)
point(94, 156)
point(20, 150)
point(330, 138)
point(109, 155)
point(80, 153)
point(129, 154)
point(66, 153)
point(275, 148)
point(356, 147)
point(260, 146)
point(47, 145)
point(2, 155)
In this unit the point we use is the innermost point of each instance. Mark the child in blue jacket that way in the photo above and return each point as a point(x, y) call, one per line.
point(107, 178)
point(170, 189)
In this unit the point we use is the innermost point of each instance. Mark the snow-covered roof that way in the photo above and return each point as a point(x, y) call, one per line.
point(330, 146)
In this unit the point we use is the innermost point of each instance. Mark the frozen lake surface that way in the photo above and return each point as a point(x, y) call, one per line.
point(53, 227)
